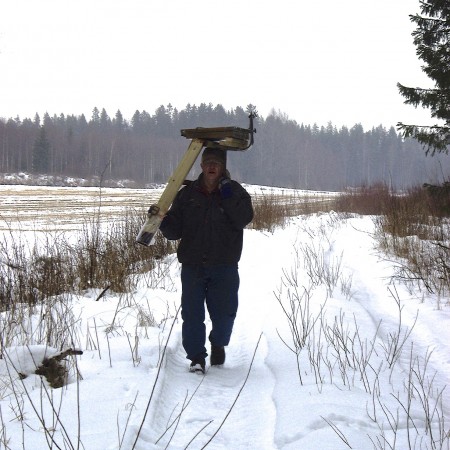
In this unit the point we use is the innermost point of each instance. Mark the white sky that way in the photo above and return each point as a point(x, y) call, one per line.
point(315, 61)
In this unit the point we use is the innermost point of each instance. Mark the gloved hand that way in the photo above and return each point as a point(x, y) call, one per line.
point(153, 210)
point(225, 188)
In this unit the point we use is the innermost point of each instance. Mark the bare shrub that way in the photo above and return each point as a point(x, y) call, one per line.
point(364, 200)
point(99, 259)
point(438, 198)
point(411, 225)
point(338, 354)
point(407, 214)
point(413, 229)
point(29, 275)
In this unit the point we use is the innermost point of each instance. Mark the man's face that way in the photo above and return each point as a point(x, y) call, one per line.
point(212, 170)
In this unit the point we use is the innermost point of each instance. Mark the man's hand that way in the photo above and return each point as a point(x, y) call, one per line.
point(225, 188)
point(153, 210)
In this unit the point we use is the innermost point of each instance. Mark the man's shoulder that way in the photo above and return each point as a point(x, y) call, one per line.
point(187, 189)
point(238, 185)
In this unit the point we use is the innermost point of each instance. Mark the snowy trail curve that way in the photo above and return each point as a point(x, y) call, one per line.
point(273, 408)
point(191, 408)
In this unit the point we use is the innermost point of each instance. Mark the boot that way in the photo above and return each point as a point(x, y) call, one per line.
point(197, 365)
point(217, 355)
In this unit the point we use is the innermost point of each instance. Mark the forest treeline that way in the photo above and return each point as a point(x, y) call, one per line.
point(146, 149)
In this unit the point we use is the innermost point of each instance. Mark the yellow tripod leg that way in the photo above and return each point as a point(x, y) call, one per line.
point(154, 219)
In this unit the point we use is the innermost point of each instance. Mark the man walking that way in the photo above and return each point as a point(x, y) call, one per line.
point(209, 216)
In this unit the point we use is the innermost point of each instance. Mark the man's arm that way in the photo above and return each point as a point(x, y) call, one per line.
point(238, 206)
point(171, 225)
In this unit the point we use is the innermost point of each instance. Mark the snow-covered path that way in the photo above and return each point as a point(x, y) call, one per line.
point(272, 409)
point(245, 383)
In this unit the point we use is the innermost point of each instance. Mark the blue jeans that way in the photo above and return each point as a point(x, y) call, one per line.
point(217, 286)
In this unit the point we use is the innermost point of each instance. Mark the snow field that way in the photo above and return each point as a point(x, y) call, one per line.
point(335, 405)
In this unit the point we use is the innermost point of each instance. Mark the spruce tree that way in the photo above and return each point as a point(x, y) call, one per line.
point(432, 41)
point(41, 153)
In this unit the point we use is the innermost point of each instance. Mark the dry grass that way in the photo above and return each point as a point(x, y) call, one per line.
point(364, 200)
point(414, 226)
point(274, 210)
point(100, 259)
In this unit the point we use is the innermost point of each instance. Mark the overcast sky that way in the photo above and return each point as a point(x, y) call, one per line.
point(314, 61)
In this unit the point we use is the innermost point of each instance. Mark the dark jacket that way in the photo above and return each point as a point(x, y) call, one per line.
point(210, 228)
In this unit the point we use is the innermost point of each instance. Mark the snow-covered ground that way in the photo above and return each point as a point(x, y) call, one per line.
point(369, 368)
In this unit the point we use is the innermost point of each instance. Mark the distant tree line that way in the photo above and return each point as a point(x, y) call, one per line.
point(147, 148)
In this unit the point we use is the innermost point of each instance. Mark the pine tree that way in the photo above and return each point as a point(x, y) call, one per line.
point(432, 41)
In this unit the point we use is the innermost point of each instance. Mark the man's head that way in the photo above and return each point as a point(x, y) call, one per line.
point(213, 165)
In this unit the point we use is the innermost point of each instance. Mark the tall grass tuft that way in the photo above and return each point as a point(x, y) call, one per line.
point(101, 258)
point(366, 200)
point(414, 226)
